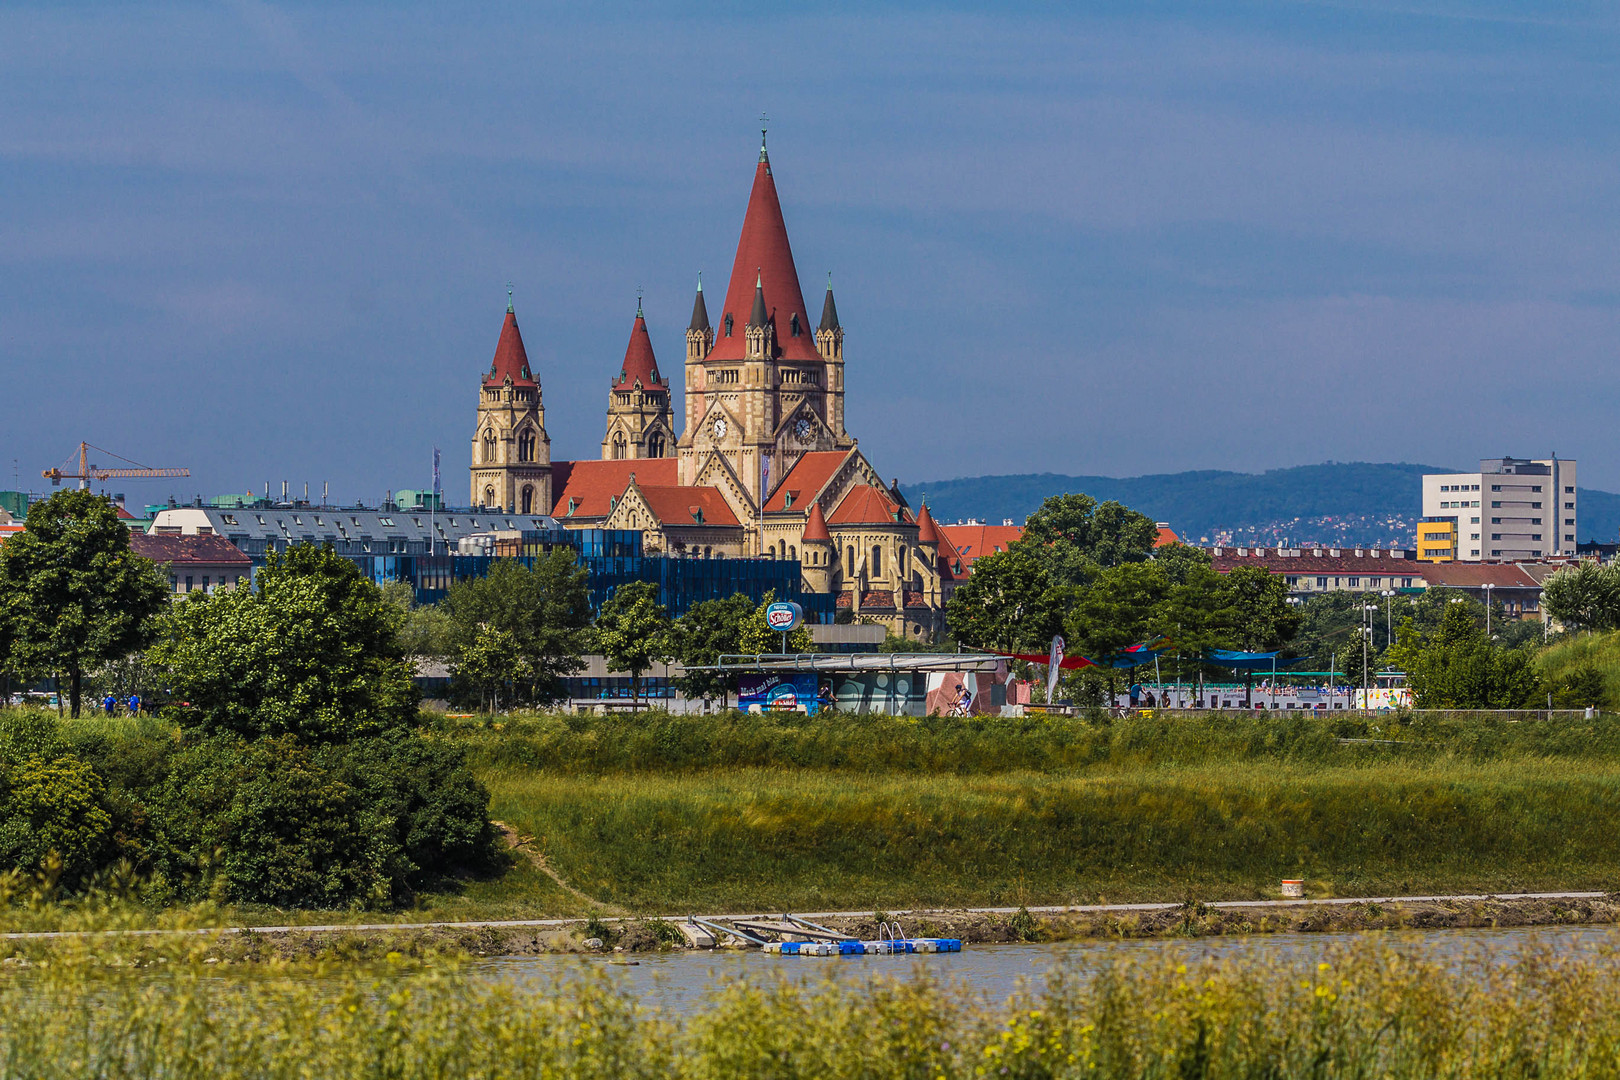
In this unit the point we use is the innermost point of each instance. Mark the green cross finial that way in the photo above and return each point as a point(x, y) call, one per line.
point(509, 298)
point(700, 281)
point(638, 301)
point(763, 120)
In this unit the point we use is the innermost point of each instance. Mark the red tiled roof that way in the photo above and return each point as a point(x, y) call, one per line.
point(845, 599)
point(593, 484)
point(806, 479)
point(973, 542)
point(868, 505)
point(815, 527)
point(1166, 537)
point(510, 357)
point(877, 598)
point(1346, 562)
point(202, 549)
point(763, 252)
point(675, 505)
point(915, 599)
point(1462, 575)
point(639, 362)
point(124, 515)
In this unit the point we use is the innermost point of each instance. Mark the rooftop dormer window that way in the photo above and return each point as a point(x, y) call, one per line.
point(795, 323)
point(728, 324)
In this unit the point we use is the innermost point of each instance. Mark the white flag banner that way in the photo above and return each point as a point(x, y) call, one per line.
point(1054, 666)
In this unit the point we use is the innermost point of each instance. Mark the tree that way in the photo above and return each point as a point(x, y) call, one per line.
point(1262, 620)
point(1118, 609)
point(632, 630)
point(1458, 668)
point(494, 664)
point(72, 593)
point(1179, 562)
point(545, 607)
point(424, 629)
point(311, 649)
point(709, 630)
point(1076, 537)
point(1195, 615)
point(1008, 604)
point(1584, 596)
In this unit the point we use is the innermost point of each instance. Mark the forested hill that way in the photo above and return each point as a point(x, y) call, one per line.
point(1337, 503)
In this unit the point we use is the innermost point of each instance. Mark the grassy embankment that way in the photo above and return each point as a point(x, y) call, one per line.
point(671, 814)
point(1599, 650)
point(1363, 1009)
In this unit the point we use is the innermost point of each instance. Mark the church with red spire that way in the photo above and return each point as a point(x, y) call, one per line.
point(762, 466)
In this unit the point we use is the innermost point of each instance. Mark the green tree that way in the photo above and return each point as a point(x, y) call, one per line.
point(492, 662)
point(1458, 668)
point(1120, 608)
point(709, 630)
point(72, 594)
point(1584, 596)
point(632, 630)
point(1180, 562)
point(545, 607)
point(1076, 537)
point(1196, 616)
point(311, 650)
point(1008, 604)
point(1262, 619)
point(424, 629)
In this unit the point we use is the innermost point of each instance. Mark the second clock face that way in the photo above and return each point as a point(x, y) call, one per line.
point(720, 427)
point(802, 428)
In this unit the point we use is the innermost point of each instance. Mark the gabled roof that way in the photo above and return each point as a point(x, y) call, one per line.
point(815, 527)
point(972, 542)
point(1461, 575)
point(202, 549)
point(868, 505)
point(639, 362)
point(593, 484)
point(806, 479)
point(674, 505)
point(510, 357)
point(763, 253)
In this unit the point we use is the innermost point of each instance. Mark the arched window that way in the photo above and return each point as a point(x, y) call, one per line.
point(618, 446)
point(655, 445)
point(851, 570)
point(902, 560)
point(793, 552)
point(795, 324)
point(528, 499)
point(781, 549)
point(877, 560)
point(489, 445)
point(707, 552)
point(526, 447)
point(728, 324)
point(489, 496)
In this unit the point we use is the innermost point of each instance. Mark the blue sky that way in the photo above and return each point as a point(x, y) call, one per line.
point(271, 241)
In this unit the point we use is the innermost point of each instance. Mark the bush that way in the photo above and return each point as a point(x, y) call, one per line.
point(274, 821)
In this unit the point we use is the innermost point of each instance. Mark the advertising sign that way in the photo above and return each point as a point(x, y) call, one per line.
point(784, 616)
point(793, 691)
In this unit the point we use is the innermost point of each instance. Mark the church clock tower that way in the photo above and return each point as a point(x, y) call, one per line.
point(511, 452)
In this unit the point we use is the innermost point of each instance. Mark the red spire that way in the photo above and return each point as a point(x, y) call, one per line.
point(763, 250)
point(815, 529)
point(510, 359)
point(639, 362)
point(927, 531)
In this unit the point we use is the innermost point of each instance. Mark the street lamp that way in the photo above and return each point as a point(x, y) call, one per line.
point(1488, 587)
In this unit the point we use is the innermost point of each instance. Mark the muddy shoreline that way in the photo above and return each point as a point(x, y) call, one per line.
point(1191, 920)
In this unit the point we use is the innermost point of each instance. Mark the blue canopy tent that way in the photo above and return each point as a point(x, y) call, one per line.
point(1247, 662)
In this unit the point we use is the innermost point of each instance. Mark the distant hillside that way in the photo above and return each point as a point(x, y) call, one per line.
point(1337, 503)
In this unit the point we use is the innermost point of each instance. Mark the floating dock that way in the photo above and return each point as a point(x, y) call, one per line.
point(799, 937)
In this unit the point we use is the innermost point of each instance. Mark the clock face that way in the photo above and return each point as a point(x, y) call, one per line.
point(802, 428)
point(720, 427)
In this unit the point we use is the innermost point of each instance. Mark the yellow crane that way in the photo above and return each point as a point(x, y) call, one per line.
point(88, 472)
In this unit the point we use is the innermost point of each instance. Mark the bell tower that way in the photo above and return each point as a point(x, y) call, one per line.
point(639, 421)
point(511, 452)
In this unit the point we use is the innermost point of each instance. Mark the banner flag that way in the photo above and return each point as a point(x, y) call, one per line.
point(1054, 666)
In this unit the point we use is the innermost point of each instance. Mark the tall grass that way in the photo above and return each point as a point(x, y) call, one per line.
point(568, 745)
point(751, 839)
point(1598, 650)
point(1363, 1010)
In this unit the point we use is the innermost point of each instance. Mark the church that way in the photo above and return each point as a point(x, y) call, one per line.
point(762, 465)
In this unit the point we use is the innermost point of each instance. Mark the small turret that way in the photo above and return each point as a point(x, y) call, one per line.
point(816, 552)
point(758, 331)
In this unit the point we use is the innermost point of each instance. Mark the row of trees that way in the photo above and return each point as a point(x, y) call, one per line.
point(1090, 571)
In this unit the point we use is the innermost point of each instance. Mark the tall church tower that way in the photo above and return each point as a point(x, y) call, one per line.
point(511, 452)
point(760, 391)
point(639, 421)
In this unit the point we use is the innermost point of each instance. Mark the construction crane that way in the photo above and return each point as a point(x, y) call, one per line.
point(88, 472)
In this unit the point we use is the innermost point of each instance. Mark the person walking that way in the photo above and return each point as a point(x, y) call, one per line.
point(109, 704)
point(134, 704)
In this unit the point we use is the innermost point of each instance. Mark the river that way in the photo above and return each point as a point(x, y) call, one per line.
point(677, 982)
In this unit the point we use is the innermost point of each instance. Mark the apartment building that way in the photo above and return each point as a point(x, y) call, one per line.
point(1511, 509)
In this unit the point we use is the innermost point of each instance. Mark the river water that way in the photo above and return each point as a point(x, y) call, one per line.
point(678, 982)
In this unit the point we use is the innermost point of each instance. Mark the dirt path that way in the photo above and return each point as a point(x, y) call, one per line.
point(523, 844)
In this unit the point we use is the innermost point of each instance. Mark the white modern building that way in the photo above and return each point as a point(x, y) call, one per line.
point(1513, 509)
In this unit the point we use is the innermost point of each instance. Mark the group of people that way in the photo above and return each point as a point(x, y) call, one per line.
point(132, 704)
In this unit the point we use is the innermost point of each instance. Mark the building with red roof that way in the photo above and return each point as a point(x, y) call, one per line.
point(639, 421)
point(200, 562)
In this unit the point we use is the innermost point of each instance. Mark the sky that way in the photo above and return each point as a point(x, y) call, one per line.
point(271, 241)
